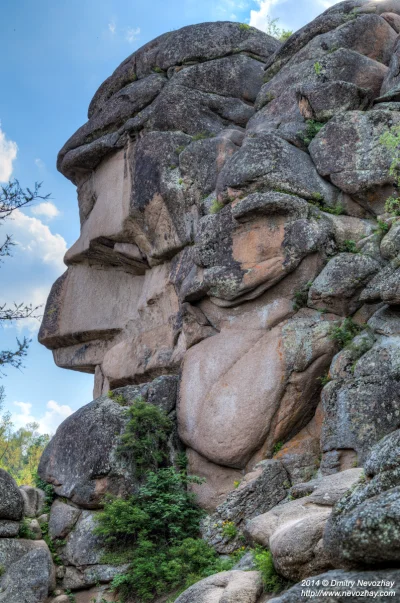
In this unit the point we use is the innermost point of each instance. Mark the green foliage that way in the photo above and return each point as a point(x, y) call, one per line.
point(344, 333)
point(180, 149)
point(70, 595)
point(216, 207)
point(319, 202)
point(51, 544)
point(277, 448)
point(180, 181)
point(301, 296)
point(157, 70)
point(163, 511)
point(236, 483)
point(325, 379)
point(244, 26)
point(25, 531)
point(264, 562)
point(318, 68)
point(349, 246)
point(203, 136)
point(383, 227)
point(392, 206)
point(146, 436)
point(2, 570)
point(229, 530)
point(118, 398)
point(181, 461)
point(157, 570)
point(276, 32)
point(391, 141)
point(48, 489)
point(313, 127)
point(157, 532)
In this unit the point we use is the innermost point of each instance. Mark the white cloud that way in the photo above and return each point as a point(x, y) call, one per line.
point(261, 18)
point(40, 163)
point(132, 34)
point(47, 209)
point(8, 153)
point(35, 238)
point(48, 423)
point(112, 27)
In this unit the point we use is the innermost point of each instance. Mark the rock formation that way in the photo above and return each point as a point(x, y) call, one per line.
point(238, 266)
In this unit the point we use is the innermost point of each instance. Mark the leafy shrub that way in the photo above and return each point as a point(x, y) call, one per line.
point(344, 334)
point(146, 436)
point(392, 206)
point(244, 26)
point(318, 68)
point(325, 379)
point(25, 531)
point(313, 127)
point(48, 489)
point(301, 296)
point(278, 446)
point(383, 227)
point(229, 530)
point(349, 246)
point(216, 207)
point(265, 564)
point(157, 532)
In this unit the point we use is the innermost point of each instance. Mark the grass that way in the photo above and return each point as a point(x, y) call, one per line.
point(313, 127)
point(318, 68)
point(272, 582)
point(349, 246)
point(344, 333)
point(216, 207)
point(203, 136)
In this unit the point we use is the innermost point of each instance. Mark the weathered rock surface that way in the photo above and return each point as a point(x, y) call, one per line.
point(361, 404)
point(235, 586)
point(363, 529)
point(261, 490)
point(273, 369)
point(34, 500)
point(231, 193)
point(11, 501)
point(293, 531)
point(28, 571)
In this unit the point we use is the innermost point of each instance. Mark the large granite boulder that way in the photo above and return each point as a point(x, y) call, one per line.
point(264, 362)
point(81, 460)
point(293, 531)
point(28, 572)
point(11, 501)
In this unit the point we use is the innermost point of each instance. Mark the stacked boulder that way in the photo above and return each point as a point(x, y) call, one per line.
point(27, 572)
point(236, 242)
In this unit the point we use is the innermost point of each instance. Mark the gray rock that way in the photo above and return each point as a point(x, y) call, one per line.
point(34, 501)
point(35, 528)
point(384, 286)
point(261, 490)
point(81, 459)
point(364, 527)
point(293, 531)
point(11, 501)
point(321, 102)
point(360, 164)
point(29, 572)
point(63, 518)
point(76, 579)
point(390, 244)
point(266, 162)
point(341, 582)
point(83, 547)
point(9, 529)
point(234, 586)
point(339, 285)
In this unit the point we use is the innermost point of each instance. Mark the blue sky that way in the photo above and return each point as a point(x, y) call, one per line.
point(55, 55)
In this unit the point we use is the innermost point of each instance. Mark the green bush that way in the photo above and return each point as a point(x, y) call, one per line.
point(392, 206)
point(25, 531)
point(146, 436)
point(313, 127)
point(229, 530)
point(216, 207)
point(349, 246)
point(48, 489)
point(157, 531)
point(265, 564)
point(344, 334)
